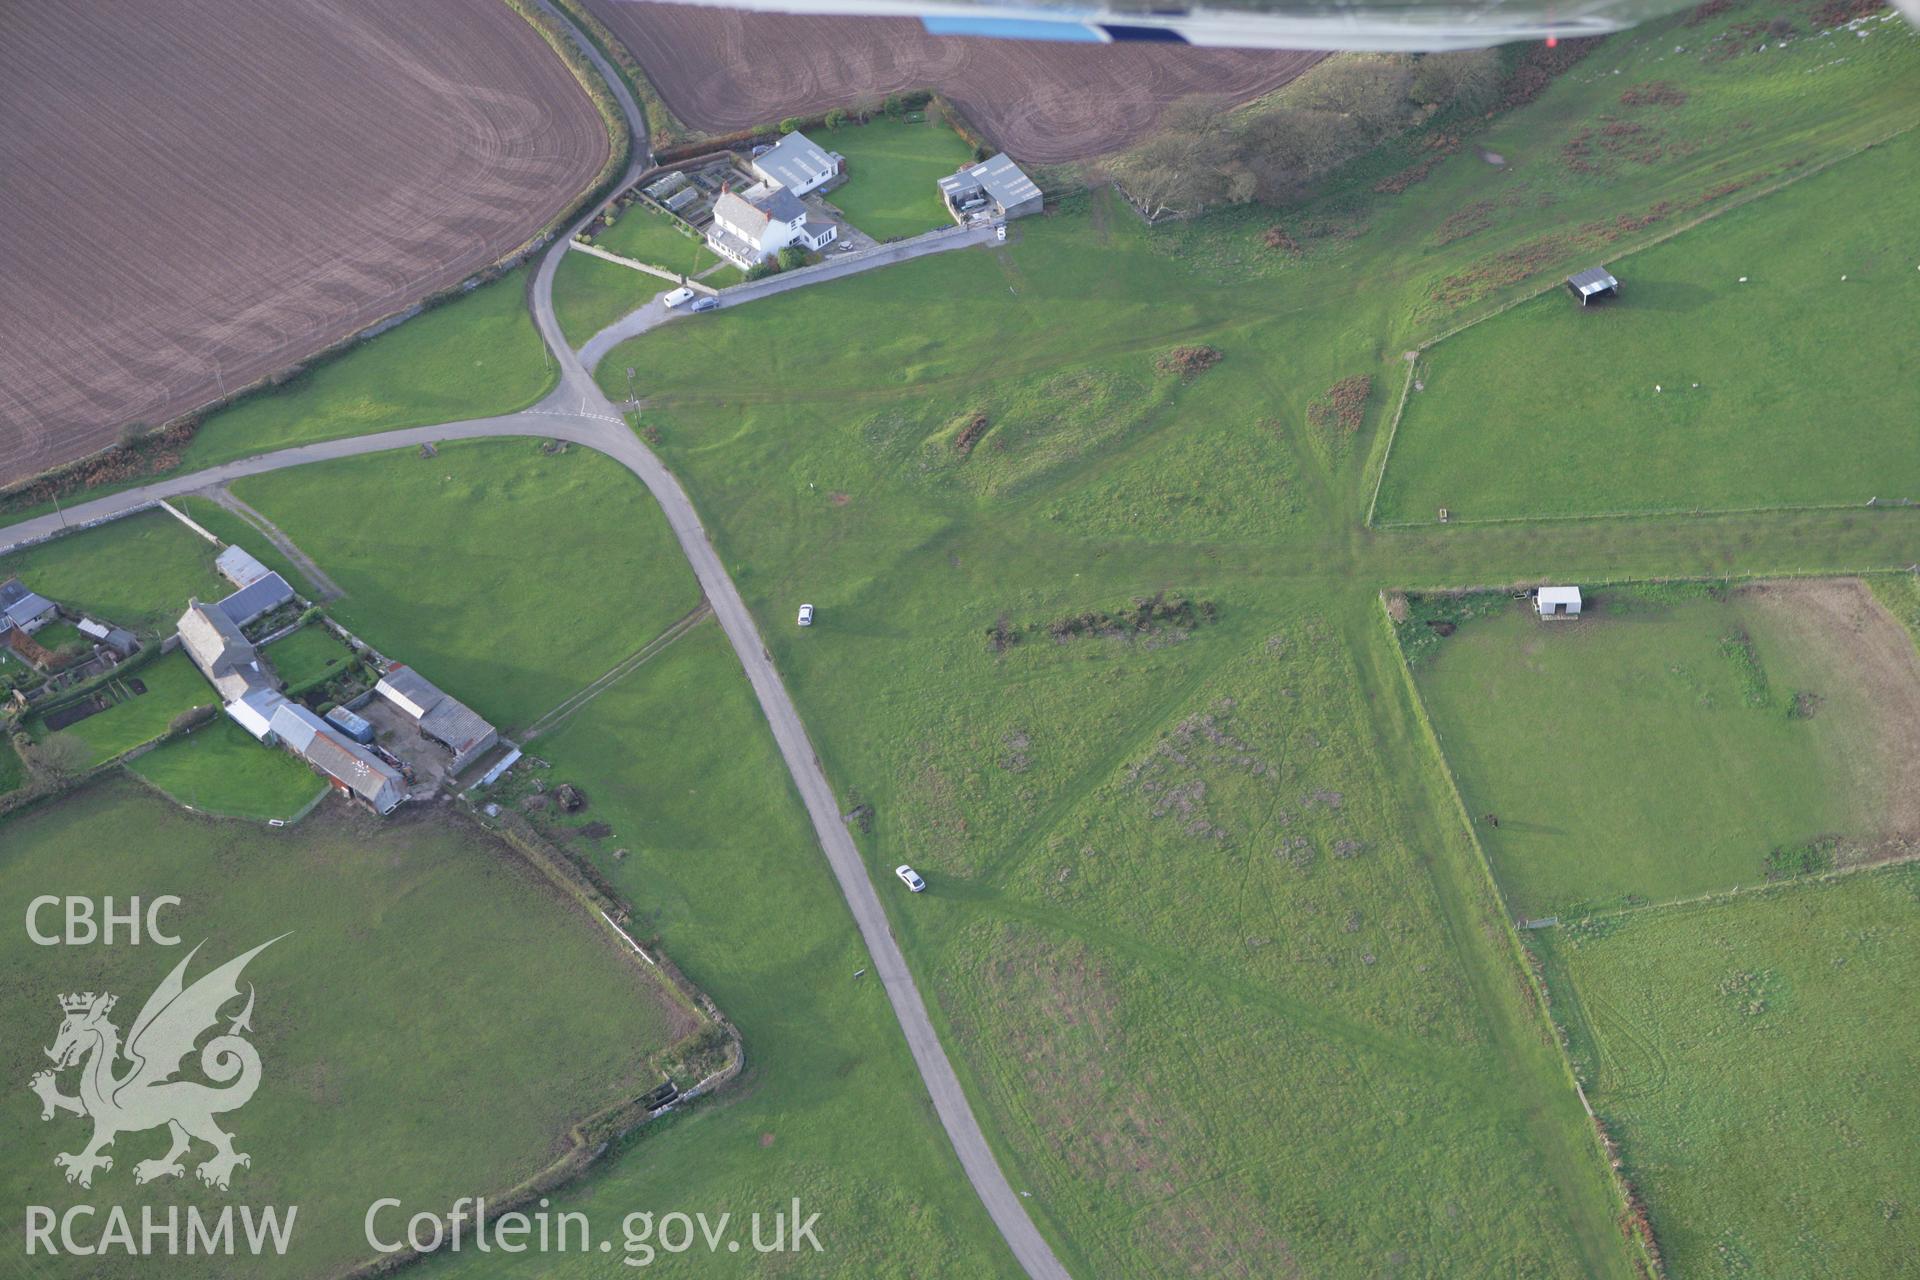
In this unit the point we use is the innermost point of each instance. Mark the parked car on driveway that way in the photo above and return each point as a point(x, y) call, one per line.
point(910, 878)
point(705, 304)
point(678, 296)
point(806, 615)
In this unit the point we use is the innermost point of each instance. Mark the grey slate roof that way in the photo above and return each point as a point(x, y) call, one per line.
point(21, 606)
point(224, 656)
point(411, 685)
point(460, 727)
point(264, 596)
point(296, 726)
point(779, 204)
point(741, 212)
point(357, 769)
point(445, 719)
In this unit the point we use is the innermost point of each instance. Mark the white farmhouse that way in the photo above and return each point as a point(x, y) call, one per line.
point(753, 225)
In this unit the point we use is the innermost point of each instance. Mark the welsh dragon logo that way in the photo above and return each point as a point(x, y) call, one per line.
point(146, 1094)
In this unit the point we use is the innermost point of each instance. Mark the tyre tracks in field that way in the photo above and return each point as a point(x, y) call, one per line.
point(620, 670)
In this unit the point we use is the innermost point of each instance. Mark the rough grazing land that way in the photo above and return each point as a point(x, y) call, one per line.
point(1754, 1059)
point(724, 69)
point(166, 242)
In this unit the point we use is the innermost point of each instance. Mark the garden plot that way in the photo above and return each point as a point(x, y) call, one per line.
point(1676, 740)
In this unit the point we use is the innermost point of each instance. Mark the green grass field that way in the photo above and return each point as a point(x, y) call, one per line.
point(221, 770)
point(431, 1022)
point(1212, 948)
point(308, 655)
point(1694, 390)
point(725, 870)
point(590, 293)
point(60, 634)
point(1099, 651)
point(473, 356)
point(892, 169)
point(137, 572)
point(1754, 1059)
point(231, 528)
point(489, 568)
point(648, 236)
point(1651, 750)
point(13, 770)
point(174, 685)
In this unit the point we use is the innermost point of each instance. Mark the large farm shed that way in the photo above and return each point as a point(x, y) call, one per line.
point(994, 188)
point(723, 69)
point(199, 195)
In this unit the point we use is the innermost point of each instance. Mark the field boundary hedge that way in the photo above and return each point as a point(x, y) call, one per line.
point(660, 120)
point(595, 1134)
point(667, 157)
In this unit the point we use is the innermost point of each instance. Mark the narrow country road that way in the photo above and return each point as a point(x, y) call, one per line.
point(651, 316)
point(577, 411)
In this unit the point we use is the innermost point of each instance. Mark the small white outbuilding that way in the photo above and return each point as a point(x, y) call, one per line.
point(1558, 602)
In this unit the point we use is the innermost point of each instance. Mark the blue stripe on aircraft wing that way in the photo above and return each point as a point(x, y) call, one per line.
point(1012, 29)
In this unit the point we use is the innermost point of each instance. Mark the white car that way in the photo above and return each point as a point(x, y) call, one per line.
point(910, 878)
point(678, 297)
point(806, 615)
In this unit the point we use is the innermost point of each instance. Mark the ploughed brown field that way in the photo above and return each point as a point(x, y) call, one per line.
point(199, 192)
point(723, 69)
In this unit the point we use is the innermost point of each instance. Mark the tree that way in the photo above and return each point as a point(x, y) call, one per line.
point(1197, 114)
point(1177, 172)
point(1467, 80)
point(867, 106)
point(1288, 147)
point(836, 118)
point(132, 434)
point(790, 125)
point(792, 256)
point(1370, 89)
point(895, 105)
point(61, 758)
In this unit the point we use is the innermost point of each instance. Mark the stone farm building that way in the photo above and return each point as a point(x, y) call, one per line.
point(250, 695)
point(993, 190)
point(350, 767)
point(445, 720)
point(239, 567)
point(257, 599)
point(226, 658)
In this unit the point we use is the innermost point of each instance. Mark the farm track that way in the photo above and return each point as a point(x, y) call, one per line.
point(1043, 102)
point(621, 670)
point(1356, 555)
point(578, 412)
point(326, 586)
point(166, 247)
